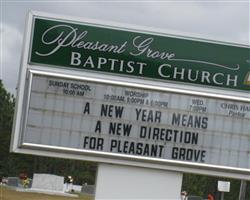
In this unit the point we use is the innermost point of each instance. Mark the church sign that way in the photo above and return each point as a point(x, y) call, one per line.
point(105, 94)
point(139, 54)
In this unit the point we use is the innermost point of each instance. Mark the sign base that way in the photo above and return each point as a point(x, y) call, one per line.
point(126, 182)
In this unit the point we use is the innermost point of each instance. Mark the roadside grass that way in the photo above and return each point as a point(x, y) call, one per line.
point(9, 194)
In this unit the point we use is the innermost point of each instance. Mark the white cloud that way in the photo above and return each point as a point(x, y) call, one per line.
point(11, 51)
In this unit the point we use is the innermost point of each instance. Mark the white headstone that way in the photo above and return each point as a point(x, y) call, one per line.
point(13, 181)
point(48, 182)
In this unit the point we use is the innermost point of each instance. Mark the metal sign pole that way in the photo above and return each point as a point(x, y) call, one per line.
point(243, 188)
point(222, 196)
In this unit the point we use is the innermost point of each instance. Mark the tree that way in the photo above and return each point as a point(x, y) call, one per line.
point(7, 102)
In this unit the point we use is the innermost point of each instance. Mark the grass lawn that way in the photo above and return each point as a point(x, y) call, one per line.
point(8, 194)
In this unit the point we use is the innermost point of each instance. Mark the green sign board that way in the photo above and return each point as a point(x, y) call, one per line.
point(140, 54)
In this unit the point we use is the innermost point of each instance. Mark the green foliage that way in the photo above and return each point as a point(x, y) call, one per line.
point(6, 118)
point(7, 103)
point(203, 185)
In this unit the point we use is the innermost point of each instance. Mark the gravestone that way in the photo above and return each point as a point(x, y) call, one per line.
point(48, 182)
point(13, 181)
point(88, 189)
point(75, 188)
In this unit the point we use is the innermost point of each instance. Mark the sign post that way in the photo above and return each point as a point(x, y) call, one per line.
point(243, 188)
point(223, 186)
point(135, 98)
point(128, 182)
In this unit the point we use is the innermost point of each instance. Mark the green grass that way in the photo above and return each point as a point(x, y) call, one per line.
point(9, 194)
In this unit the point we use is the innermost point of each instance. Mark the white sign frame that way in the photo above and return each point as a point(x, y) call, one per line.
point(23, 100)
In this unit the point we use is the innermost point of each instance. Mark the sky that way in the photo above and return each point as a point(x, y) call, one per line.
point(227, 21)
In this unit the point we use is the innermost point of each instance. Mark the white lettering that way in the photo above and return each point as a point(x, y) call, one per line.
point(112, 68)
point(60, 40)
point(89, 61)
point(143, 47)
point(215, 78)
point(77, 42)
point(160, 70)
point(181, 73)
point(190, 75)
point(130, 66)
point(101, 61)
point(205, 76)
point(141, 67)
point(75, 59)
point(232, 79)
